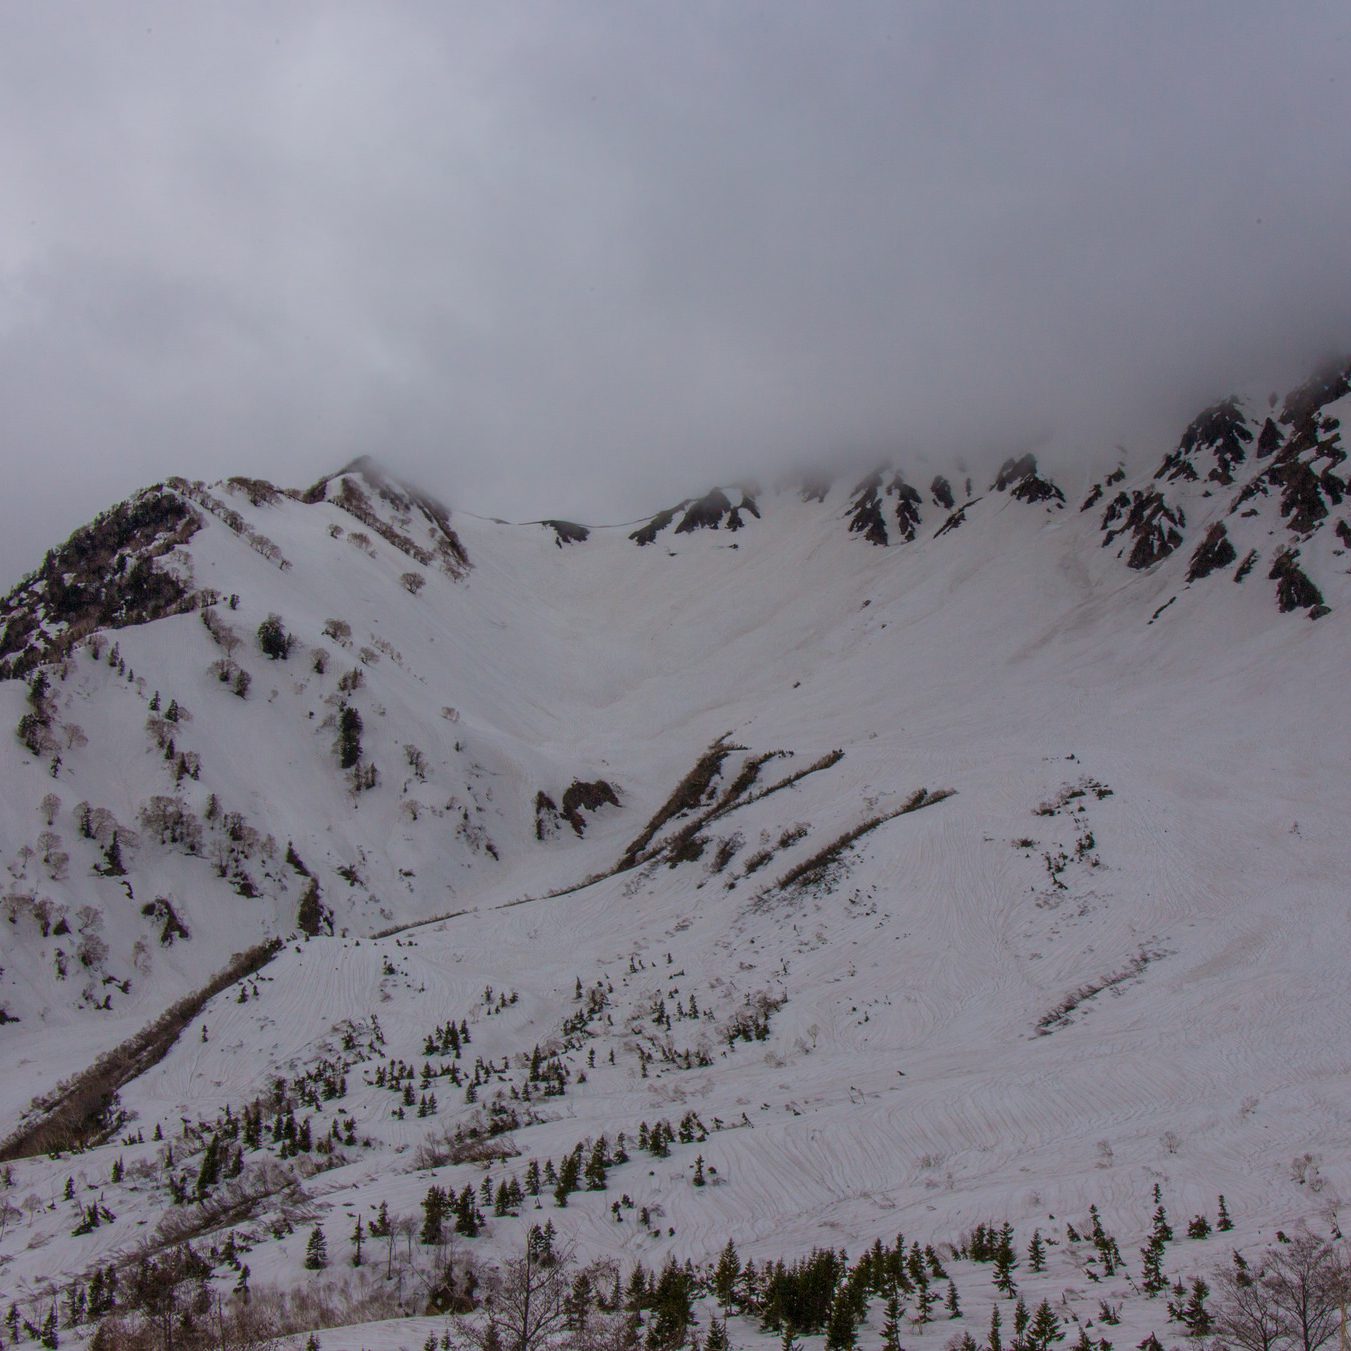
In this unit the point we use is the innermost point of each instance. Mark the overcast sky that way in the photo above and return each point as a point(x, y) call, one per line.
point(577, 259)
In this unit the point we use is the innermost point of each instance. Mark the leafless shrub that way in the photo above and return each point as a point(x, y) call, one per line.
point(412, 582)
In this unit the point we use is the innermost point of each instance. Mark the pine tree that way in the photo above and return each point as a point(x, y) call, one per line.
point(995, 1342)
point(953, 1304)
point(1004, 1263)
point(725, 1277)
point(1199, 1227)
point(1044, 1330)
point(925, 1299)
point(717, 1336)
point(1152, 1279)
point(1036, 1253)
point(891, 1321)
point(841, 1334)
point(316, 1251)
point(1223, 1223)
point(1162, 1230)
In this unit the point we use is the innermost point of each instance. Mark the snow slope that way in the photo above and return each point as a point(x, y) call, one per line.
point(1106, 952)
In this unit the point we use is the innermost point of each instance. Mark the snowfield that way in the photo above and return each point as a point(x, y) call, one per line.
point(1089, 938)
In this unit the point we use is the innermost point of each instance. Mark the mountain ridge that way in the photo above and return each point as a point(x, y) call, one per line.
point(1044, 838)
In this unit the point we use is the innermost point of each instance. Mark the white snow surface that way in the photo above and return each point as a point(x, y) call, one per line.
point(904, 1083)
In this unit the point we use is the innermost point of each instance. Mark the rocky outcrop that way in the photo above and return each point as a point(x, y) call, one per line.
point(1220, 434)
point(1216, 550)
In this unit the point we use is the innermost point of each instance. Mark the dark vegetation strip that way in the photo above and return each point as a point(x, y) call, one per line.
point(814, 869)
point(1061, 1015)
point(688, 795)
point(79, 1110)
point(825, 762)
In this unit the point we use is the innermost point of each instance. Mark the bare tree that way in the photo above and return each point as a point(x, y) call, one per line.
point(1245, 1316)
point(524, 1303)
point(1306, 1282)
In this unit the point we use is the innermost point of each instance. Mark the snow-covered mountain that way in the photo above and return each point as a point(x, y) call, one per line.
point(928, 849)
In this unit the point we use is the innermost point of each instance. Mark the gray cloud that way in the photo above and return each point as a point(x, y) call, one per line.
point(578, 259)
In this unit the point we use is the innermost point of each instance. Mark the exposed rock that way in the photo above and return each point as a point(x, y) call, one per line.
point(865, 510)
point(1028, 486)
point(648, 533)
point(1223, 431)
point(942, 492)
point(1269, 438)
point(706, 513)
point(567, 532)
point(1093, 498)
point(1012, 470)
point(1149, 520)
point(578, 798)
point(957, 518)
point(1294, 590)
point(104, 576)
point(1303, 403)
point(1216, 550)
point(867, 514)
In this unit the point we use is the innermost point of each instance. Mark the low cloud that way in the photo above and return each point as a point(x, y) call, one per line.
point(578, 260)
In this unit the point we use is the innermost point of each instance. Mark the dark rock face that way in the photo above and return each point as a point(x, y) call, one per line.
point(1269, 438)
point(1223, 431)
point(1012, 470)
point(1303, 404)
point(942, 492)
point(567, 532)
point(706, 513)
point(1028, 486)
point(1294, 590)
point(1216, 550)
point(648, 533)
point(1093, 498)
point(1155, 526)
point(958, 518)
point(579, 797)
point(1035, 488)
point(586, 797)
point(103, 576)
point(867, 514)
point(713, 511)
point(865, 511)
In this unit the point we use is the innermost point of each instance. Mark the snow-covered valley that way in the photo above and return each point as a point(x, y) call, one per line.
point(927, 858)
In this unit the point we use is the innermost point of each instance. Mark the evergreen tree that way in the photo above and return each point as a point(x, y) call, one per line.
point(1223, 1223)
point(725, 1277)
point(1044, 1330)
point(994, 1341)
point(1036, 1253)
point(717, 1336)
point(1004, 1264)
point(350, 728)
point(273, 640)
point(841, 1333)
point(1152, 1279)
point(891, 1321)
point(358, 1237)
point(925, 1299)
point(953, 1304)
point(1199, 1227)
point(1162, 1230)
point(316, 1250)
